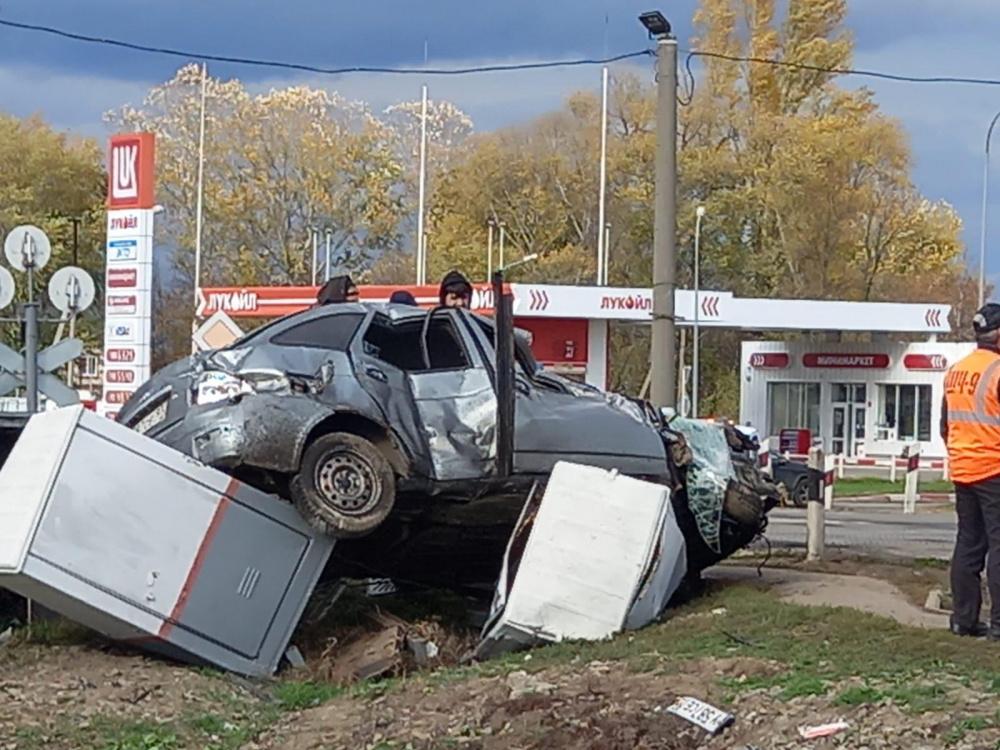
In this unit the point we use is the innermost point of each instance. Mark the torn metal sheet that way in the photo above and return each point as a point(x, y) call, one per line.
point(664, 575)
point(145, 545)
point(580, 558)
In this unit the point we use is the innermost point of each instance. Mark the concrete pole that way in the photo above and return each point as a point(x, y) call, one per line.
point(489, 249)
point(503, 227)
point(199, 199)
point(422, 186)
point(815, 510)
point(663, 349)
point(601, 249)
point(326, 264)
point(696, 340)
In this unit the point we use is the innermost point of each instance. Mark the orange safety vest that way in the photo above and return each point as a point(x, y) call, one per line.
point(970, 389)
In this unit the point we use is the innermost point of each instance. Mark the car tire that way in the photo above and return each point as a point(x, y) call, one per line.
point(345, 486)
point(800, 492)
point(742, 504)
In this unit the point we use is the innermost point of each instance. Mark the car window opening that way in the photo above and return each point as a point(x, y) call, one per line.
point(398, 343)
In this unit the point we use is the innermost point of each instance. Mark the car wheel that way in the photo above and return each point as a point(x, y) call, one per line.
point(800, 494)
point(345, 486)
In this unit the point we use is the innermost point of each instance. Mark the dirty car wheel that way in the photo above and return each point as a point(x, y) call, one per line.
point(345, 486)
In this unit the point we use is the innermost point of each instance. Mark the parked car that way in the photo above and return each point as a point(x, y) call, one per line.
point(379, 421)
point(794, 475)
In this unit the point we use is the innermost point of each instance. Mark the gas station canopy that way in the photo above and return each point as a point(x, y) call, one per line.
point(714, 309)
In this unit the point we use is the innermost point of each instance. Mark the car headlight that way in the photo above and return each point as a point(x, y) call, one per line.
point(213, 386)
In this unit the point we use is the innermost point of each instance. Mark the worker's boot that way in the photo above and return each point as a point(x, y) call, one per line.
point(993, 633)
point(977, 630)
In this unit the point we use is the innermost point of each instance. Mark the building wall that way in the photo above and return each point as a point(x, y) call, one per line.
point(754, 381)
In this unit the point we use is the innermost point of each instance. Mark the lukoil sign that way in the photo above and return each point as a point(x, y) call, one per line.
point(130, 171)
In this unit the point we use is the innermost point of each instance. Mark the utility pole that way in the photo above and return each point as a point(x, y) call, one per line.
point(663, 389)
point(76, 244)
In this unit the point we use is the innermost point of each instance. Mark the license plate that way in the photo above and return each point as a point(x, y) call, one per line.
point(709, 718)
point(152, 419)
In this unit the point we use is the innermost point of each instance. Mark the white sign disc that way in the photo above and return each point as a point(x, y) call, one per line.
point(71, 289)
point(6, 288)
point(27, 245)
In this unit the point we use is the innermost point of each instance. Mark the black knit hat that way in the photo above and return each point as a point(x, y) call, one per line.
point(987, 318)
point(455, 283)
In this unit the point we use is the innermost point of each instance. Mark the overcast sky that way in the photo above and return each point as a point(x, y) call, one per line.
point(72, 83)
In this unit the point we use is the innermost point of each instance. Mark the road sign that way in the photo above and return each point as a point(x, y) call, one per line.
point(12, 370)
point(7, 288)
point(71, 289)
point(27, 247)
point(218, 331)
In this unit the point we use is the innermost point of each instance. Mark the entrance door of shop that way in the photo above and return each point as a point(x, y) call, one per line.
point(848, 418)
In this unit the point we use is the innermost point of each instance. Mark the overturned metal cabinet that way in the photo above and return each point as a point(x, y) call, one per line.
point(144, 544)
point(597, 553)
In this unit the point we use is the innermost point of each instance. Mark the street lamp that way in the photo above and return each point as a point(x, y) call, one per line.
point(699, 215)
point(655, 22)
point(986, 194)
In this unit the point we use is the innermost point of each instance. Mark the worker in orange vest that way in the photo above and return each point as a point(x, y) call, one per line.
point(970, 425)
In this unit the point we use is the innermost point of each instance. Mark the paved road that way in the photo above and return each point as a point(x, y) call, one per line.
point(886, 530)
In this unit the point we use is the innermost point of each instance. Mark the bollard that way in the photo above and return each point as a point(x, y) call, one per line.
point(892, 469)
point(944, 469)
point(815, 510)
point(912, 478)
point(841, 461)
point(764, 458)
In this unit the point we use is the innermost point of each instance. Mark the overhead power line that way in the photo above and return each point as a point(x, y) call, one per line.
point(403, 70)
point(189, 55)
point(848, 71)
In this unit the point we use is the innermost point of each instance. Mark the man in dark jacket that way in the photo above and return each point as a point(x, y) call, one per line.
point(456, 291)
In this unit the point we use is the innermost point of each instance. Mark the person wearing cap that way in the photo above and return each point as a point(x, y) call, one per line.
point(455, 291)
point(970, 426)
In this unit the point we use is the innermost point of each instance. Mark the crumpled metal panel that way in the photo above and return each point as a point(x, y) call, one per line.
point(458, 416)
point(707, 476)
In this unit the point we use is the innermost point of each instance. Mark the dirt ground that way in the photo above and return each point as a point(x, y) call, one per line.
point(96, 696)
point(605, 706)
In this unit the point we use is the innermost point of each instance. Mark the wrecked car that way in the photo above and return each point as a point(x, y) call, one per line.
point(379, 421)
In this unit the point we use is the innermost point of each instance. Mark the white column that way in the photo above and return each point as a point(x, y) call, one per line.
point(597, 353)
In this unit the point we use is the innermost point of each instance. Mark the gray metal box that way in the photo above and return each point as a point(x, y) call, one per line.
point(145, 544)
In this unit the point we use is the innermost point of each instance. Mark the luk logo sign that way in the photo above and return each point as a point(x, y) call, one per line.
point(130, 171)
point(124, 169)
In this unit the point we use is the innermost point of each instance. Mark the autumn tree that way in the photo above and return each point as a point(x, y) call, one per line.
point(48, 179)
point(277, 165)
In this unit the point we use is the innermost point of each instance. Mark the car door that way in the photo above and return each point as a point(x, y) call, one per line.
point(381, 371)
point(455, 399)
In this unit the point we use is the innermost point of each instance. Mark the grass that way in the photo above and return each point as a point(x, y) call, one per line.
point(871, 487)
point(818, 649)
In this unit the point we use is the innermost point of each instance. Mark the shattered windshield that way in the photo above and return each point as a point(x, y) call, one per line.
point(707, 476)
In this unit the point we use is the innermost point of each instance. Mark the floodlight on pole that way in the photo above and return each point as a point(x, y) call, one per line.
point(656, 23)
